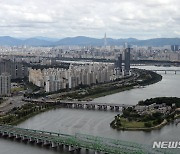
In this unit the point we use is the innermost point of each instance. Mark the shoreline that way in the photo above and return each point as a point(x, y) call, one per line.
point(18, 115)
point(151, 117)
point(109, 93)
point(157, 127)
point(144, 128)
point(154, 78)
point(36, 112)
point(15, 123)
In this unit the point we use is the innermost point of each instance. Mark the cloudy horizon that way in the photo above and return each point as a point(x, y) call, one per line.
point(141, 19)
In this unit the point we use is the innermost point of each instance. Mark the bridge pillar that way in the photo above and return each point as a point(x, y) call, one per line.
point(117, 108)
point(61, 146)
point(88, 107)
point(93, 106)
point(81, 106)
point(111, 107)
point(4, 134)
point(39, 141)
point(165, 72)
point(99, 107)
point(53, 144)
point(10, 135)
point(105, 107)
point(46, 143)
point(71, 148)
point(25, 138)
point(31, 139)
point(18, 136)
point(175, 72)
point(85, 106)
point(75, 106)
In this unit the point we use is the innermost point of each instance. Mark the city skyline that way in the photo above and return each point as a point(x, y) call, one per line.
point(119, 19)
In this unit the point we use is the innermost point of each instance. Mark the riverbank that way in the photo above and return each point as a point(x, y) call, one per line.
point(17, 115)
point(134, 128)
point(139, 79)
point(20, 114)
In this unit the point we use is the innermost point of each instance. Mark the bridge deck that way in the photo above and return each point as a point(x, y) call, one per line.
point(80, 103)
point(96, 103)
point(104, 145)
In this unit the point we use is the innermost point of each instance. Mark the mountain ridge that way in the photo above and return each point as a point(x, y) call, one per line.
point(85, 41)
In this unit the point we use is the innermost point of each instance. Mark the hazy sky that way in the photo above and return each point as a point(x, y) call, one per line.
point(67, 18)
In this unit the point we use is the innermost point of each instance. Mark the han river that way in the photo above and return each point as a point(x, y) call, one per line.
point(71, 121)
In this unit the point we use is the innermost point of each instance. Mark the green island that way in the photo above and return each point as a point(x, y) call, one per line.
point(147, 115)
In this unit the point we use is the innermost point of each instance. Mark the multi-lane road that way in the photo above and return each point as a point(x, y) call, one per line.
point(10, 103)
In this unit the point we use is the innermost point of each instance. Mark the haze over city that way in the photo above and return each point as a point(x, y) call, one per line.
point(92, 18)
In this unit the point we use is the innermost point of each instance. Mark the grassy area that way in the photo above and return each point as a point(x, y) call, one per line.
point(131, 124)
point(17, 89)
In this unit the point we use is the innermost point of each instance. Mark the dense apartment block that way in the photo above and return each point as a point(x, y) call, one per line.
point(53, 79)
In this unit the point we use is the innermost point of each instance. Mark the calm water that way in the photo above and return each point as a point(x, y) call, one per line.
point(71, 121)
point(169, 86)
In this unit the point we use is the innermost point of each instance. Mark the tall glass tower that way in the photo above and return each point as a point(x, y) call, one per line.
point(127, 59)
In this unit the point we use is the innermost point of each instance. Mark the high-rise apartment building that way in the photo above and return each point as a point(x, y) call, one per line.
point(5, 84)
point(15, 69)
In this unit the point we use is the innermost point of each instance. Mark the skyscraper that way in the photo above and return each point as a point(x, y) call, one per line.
point(119, 62)
point(127, 59)
point(174, 47)
point(5, 84)
point(105, 40)
point(118, 65)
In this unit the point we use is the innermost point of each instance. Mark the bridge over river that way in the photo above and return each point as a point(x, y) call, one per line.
point(83, 104)
point(75, 143)
point(166, 70)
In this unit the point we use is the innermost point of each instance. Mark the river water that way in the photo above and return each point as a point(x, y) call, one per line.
point(71, 121)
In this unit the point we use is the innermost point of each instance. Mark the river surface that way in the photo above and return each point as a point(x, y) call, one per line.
point(71, 121)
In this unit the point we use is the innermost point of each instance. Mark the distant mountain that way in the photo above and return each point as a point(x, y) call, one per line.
point(47, 38)
point(84, 41)
point(10, 41)
point(36, 42)
point(79, 40)
point(158, 42)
